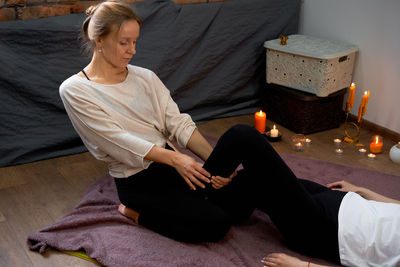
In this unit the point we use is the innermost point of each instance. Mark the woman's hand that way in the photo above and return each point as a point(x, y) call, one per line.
point(190, 170)
point(218, 182)
point(362, 191)
point(343, 186)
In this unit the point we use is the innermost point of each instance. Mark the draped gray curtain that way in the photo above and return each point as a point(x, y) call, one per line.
point(210, 56)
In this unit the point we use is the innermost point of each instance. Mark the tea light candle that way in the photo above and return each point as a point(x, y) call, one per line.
point(259, 121)
point(371, 156)
point(376, 144)
point(308, 141)
point(274, 132)
point(362, 151)
point(339, 151)
point(337, 142)
point(298, 146)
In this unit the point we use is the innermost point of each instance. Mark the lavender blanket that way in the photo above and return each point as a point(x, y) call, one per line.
point(96, 227)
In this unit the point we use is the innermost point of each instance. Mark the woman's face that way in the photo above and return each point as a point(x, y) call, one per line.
point(117, 48)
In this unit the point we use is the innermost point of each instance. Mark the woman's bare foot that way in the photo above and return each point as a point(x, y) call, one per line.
point(127, 212)
point(282, 260)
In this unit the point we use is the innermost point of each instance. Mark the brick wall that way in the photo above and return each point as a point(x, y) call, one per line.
point(35, 9)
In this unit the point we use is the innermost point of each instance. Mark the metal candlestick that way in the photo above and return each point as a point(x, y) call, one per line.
point(351, 129)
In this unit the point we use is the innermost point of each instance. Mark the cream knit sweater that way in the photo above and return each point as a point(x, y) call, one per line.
point(120, 123)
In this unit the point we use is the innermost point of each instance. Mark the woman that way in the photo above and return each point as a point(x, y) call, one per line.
point(369, 230)
point(125, 116)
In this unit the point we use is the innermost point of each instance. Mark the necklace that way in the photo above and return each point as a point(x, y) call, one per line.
point(87, 77)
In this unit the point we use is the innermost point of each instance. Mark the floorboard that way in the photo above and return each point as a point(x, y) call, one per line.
point(38, 194)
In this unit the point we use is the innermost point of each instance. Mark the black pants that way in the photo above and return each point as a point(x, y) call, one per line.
point(303, 211)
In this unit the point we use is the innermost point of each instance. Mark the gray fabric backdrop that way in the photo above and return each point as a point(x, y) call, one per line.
point(210, 56)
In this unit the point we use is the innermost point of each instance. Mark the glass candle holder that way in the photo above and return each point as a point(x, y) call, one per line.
point(362, 151)
point(298, 142)
point(337, 142)
point(339, 151)
point(376, 144)
point(308, 141)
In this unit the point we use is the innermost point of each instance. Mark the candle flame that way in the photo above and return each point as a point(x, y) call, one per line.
point(260, 112)
point(353, 84)
point(376, 140)
point(274, 127)
point(366, 93)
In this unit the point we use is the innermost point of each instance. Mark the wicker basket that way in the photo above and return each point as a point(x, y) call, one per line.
point(303, 112)
point(310, 64)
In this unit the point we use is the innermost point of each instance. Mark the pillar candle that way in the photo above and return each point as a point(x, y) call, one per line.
point(260, 120)
point(363, 106)
point(350, 99)
point(376, 144)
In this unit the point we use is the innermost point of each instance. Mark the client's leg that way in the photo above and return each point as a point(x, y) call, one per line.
point(275, 187)
point(166, 205)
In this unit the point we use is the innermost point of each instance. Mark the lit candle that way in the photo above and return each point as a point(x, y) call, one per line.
point(371, 156)
point(298, 146)
point(350, 99)
point(274, 132)
point(308, 141)
point(337, 142)
point(363, 106)
point(259, 121)
point(362, 151)
point(339, 151)
point(376, 144)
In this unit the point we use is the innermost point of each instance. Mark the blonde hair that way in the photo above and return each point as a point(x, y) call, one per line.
point(104, 18)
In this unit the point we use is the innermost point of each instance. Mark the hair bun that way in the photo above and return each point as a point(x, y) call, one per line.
point(90, 10)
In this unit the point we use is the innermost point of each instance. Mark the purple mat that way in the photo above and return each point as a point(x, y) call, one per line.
point(96, 226)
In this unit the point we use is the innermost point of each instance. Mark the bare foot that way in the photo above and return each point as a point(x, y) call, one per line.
point(282, 260)
point(127, 212)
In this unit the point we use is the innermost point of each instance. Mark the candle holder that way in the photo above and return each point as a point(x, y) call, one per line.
point(351, 129)
point(308, 141)
point(339, 151)
point(337, 142)
point(362, 151)
point(298, 142)
point(273, 138)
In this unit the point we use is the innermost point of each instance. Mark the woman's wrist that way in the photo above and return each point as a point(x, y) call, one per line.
point(175, 159)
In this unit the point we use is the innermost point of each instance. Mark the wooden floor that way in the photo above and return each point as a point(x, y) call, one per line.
point(38, 194)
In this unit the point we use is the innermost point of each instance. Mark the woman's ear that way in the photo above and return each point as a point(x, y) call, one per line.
point(99, 44)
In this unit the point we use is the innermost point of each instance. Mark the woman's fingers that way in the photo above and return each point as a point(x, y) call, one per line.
point(335, 184)
point(205, 174)
point(201, 173)
point(217, 184)
point(218, 181)
point(191, 171)
point(187, 180)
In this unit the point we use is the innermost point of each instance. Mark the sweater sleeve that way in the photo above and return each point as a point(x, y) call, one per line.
point(96, 127)
point(180, 126)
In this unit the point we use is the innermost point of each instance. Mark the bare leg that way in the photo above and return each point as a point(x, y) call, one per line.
point(284, 260)
point(130, 213)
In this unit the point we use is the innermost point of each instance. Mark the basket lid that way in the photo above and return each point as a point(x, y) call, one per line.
point(310, 46)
